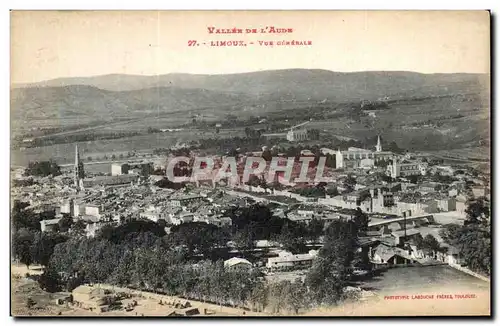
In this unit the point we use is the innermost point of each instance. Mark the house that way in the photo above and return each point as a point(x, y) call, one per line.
point(49, 225)
point(400, 237)
point(452, 192)
point(93, 210)
point(190, 311)
point(109, 181)
point(288, 261)
point(480, 191)
point(90, 298)
point(406, 168)
point(239, 264)
point(446, 204)
point(297, 135)
point(430, 187)
point(386, 255)
point(154, 216)
point(451, 256)
point(416, 252)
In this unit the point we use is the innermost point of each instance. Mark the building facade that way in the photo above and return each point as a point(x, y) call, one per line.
point(119, 169)
point(297, 135)
point(406, 169)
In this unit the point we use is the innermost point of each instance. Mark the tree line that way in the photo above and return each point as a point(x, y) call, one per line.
point(139, 254)
point(473, 239)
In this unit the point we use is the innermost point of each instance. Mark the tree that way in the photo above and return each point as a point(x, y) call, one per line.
point(478, 212)
point(332, 192)
point(43, 246)
point(418, 241)
point(414, 178)
point(89, 158)
point(23, 241)
point(65, 223)
point(331, 269)
point(350, 183)
point(22, 217)
point(198, 237)
point(361, 222)
point(315, 229)
point(291, 238)
point(473, 242)
point(296, 293)
point(430, 245)
point(258, 297)
point(43, 169)
point(50, 281)
point(78, 228)
point(244, 239)
point(30, 303)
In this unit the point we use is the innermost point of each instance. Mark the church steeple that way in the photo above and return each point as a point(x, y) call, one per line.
point(79, 173)
point(378, 148)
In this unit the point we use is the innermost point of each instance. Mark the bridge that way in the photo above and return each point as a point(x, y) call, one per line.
point(401, 220)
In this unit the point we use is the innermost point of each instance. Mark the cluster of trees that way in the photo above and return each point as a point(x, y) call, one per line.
point(473, 239)
point(377, 105)
point(29, 244)
point(447, 179)
point(257, 222)
point(253, 133)
point(81, 137)
point(229, 145)
point(332, 269)
point(428, 244)
point(147, 262)
point(151, 261)
point(43, 169)
point(140, 254)
point(319, 190)
point(438, 121)
point(349, 183)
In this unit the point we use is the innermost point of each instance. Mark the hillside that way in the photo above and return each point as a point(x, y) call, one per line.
point(425, 111)
point(80, 101)
point(293, 83)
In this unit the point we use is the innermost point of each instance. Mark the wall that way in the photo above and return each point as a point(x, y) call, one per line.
point(468, 271)
point(92, 210)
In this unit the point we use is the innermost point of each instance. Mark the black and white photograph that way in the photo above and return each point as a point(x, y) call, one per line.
point(250, 163)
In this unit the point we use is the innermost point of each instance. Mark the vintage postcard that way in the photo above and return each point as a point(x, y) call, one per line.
point(250, 163)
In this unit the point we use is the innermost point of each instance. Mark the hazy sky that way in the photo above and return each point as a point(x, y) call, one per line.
point(51, 44)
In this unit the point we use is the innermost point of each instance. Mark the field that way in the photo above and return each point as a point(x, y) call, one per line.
point(445, 114)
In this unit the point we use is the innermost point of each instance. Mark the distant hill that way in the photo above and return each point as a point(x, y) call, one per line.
point(109, 97)
point(88, 101)
point(293, 83)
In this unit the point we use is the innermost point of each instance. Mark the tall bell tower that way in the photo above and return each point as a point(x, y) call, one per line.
point(79, 172)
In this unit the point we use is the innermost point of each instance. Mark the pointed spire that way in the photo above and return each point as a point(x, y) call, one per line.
point(78, 170)
point(378, 148)
point(77, 156)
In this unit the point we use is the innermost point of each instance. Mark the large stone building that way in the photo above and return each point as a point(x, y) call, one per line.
point(119, 168)
point(109, 181)
point(406, 168)
point(297, 135)
point(359, 157)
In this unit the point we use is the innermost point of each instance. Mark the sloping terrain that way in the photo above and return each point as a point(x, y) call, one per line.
point(298, 83)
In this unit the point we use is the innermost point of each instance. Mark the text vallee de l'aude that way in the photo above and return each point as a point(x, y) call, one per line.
point(203, 169)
